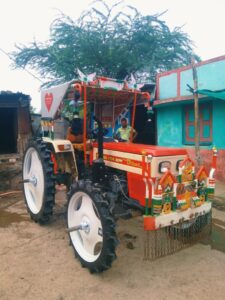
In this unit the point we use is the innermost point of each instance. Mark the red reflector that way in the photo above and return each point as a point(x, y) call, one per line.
point(64, 147)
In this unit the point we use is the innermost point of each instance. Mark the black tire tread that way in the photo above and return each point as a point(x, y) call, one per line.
point(110, 242)
point(49, 191)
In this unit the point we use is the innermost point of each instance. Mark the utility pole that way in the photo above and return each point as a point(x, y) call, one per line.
point(196, 109)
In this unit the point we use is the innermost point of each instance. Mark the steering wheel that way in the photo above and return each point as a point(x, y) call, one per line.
point(117, 138)
point(94, 132)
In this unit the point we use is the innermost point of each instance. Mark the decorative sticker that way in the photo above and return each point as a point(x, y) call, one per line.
point(48, 100)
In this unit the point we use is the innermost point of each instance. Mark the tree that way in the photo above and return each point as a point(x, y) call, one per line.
point(110, 42)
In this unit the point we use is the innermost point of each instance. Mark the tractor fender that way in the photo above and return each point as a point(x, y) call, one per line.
point(59, 145)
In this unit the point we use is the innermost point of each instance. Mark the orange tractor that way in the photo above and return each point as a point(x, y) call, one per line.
point(108, 179)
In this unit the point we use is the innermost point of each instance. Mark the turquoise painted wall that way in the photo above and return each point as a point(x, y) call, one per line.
point(211, 76)
point(219, 123)
point(170, 118)
point(169, 86)
point(169, 126)
point(186, 77)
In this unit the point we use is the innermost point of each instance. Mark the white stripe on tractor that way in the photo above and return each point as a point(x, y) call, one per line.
point(123, 167)
point(119, 154)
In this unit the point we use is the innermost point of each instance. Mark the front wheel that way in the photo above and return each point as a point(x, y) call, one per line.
point(91, 227)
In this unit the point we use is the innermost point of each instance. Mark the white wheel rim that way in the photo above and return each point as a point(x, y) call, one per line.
point(88, 243)
point(33, 171)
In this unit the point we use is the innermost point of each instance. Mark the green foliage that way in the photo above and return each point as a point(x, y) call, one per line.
point(112, 41)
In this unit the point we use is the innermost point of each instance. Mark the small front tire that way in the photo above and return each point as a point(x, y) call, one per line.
point(95, 243)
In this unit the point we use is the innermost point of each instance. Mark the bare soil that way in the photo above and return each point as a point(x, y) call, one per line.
point(36, 262)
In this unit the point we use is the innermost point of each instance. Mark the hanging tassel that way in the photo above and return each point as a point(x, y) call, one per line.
point(168, 240)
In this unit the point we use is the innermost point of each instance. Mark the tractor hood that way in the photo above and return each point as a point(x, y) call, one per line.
point(141, 148)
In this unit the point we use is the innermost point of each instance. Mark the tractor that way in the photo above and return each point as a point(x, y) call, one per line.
point(108, 179)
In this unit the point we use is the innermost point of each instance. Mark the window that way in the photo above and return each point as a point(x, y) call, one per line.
point(205, 124)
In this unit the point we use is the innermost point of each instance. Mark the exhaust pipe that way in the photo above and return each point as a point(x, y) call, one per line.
point(99, 137)
point(98, 168)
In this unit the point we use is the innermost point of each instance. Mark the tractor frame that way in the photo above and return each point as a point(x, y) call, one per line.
point(107, 180)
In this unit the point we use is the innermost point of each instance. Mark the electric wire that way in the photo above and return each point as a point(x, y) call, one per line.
point(11, 58)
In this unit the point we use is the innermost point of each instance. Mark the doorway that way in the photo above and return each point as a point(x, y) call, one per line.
point(8, 130)
point(146, 128)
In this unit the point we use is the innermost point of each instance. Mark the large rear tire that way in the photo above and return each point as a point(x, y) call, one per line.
point(94, 237)
point(38, 181)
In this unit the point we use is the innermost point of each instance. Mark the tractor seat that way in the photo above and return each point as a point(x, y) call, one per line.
point(77, 141)
point(80, 146)
point(74, 138)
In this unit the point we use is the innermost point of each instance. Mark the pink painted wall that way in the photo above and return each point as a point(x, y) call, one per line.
point(206, 160)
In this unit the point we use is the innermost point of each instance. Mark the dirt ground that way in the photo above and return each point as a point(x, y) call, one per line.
point(36, 262)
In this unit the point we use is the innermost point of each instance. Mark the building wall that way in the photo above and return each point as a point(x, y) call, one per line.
point(219, 124)
point(172, 94)
point(206, 160)
point(169, 126)
point(169, 84)
point(170, 133)
point(24, 128)
point(173, 84)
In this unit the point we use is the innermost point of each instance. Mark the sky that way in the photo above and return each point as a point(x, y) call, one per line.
point(25, 20)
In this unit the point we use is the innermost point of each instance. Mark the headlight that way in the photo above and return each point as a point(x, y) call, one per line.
point(164, 166)
point(64, 147)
